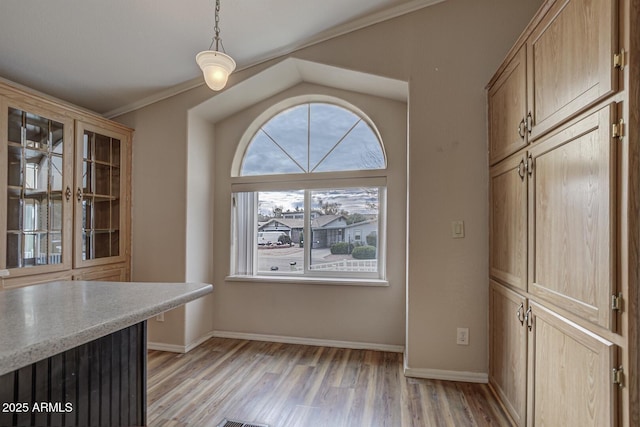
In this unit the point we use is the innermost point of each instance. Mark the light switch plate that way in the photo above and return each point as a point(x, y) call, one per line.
point(457, 229)
point(462, 336)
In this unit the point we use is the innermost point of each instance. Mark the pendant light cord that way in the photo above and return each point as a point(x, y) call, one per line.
point(216, 29)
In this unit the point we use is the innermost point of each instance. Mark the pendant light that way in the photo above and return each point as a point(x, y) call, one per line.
point(216, 65)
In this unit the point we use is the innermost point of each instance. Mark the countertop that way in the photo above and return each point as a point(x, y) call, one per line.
point(42, 320)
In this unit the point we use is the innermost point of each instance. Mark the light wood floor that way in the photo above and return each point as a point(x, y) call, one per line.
point(286, 385)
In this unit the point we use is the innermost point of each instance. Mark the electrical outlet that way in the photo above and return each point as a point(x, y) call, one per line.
point(160, 317)
point(462, 337)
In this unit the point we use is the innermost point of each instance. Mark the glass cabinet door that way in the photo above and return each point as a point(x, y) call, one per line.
point(36, 158)
point(100, 167)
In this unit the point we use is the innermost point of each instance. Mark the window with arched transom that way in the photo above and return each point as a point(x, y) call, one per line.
point(309, 194)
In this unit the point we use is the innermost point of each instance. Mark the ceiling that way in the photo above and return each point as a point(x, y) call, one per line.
point(106, 56)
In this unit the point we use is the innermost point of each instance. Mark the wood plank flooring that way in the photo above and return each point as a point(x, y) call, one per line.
point(285, 385)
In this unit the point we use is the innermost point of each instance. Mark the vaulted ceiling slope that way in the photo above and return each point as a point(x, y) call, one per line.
point(106, 55)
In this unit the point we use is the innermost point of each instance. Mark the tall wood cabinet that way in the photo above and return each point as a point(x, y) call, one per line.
point(64, 192)
point(564, 186)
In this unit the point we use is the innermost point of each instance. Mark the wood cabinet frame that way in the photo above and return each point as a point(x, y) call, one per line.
point(615, 88)
point(32, 106)
point(551, 54)
point(125, 149)
point(508, 215)
point(586, 390)
point(73, 119)
point(565, 255)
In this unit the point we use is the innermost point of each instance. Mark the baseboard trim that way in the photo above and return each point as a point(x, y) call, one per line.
point(309, 341)
point(174, 348)
point(440, 374)
point(160, 346)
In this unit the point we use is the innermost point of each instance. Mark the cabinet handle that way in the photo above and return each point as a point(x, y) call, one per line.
point(529, 165)
point(528, 317)
point(79, 195)
point(520, 314)
point(521, 169)
point(67, 193)
point(529, 122)
point(521, 128)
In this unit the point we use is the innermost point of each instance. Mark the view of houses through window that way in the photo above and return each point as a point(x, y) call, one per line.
point(342, 236)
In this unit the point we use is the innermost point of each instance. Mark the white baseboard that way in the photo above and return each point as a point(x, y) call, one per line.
point(174, 348)
point(160, 346)
point(440, 374)
point(310, 341)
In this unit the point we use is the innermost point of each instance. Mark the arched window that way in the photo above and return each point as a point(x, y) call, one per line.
point(309, 195)
point(313, 137)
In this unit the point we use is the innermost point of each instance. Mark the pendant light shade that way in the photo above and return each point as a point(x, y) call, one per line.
point(216, 67)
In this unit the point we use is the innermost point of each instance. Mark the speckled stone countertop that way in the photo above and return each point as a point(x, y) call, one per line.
point(40, 321)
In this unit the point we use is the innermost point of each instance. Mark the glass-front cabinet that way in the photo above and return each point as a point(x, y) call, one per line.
point(100, 195)
point(64, 192)
point(36, 168)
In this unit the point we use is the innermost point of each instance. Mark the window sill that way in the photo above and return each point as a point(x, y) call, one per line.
point(308, 280)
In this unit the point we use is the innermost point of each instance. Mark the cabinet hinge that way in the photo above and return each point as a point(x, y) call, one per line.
point(617, 376)
point(618, 60)
point(617, 129)
point(616, 302)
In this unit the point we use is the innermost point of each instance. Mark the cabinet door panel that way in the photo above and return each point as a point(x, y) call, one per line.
point(36, 173)
point(573, 195)
point(570, 374)
point(570, 60)
point(508, 350)
point(507, 110)
point(101, 188)
point(508, 227)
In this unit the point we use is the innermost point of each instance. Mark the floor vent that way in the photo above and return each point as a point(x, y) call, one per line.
point(234, 423)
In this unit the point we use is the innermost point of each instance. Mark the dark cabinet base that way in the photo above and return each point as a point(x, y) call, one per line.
point(100, 383)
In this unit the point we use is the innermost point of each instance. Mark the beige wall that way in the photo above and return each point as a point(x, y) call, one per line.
point(199, 228)
point(447, 53)
point(362, 314)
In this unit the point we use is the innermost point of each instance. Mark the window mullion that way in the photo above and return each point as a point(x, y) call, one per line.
point(308, 241)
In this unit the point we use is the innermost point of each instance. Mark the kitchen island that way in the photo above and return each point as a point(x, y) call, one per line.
point(73, 353)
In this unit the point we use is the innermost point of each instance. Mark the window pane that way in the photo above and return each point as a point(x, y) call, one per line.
point(280, 237)
point(14, 131)
point(359, 149)
point(345, 229)
point(264, 157)
point(37, 132)
point(14, 175)
point(56, 173)
point(313, 137)
point(329, 125)
point(34, 190)
point(289, 130)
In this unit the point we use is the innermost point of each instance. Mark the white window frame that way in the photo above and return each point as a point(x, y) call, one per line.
point(244, 262)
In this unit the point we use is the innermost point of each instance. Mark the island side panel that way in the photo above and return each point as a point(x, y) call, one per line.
point(100, 383)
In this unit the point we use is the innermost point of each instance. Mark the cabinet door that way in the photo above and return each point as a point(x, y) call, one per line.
point(572, 217)
point(101, 195)
point(570, 374)
point(508, 226)
point(570, 60)
point(36, 164)
point(508, 350)
point(507, 110)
